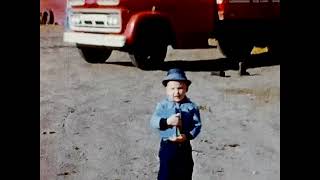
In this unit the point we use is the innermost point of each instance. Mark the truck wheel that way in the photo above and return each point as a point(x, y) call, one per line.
point(51, 17)
point(150, 48)
point(94, 54)
point(148, 57)
point(235, 47)
point(44, 17)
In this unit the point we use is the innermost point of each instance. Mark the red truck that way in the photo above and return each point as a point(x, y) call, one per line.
point(145, 28)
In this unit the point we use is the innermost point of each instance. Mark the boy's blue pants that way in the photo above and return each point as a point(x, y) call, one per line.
point(176, 161)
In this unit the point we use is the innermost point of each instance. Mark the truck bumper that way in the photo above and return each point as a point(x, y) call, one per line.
point(109, 40)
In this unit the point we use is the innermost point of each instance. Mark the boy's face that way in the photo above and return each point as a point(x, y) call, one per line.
point(176, 90)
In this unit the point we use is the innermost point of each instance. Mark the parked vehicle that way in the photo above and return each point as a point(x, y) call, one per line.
point(145, 28)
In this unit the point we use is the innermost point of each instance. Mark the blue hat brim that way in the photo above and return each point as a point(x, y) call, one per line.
point(165, 82)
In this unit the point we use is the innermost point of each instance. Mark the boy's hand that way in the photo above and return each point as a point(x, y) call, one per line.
point(179, 139)
point(174, 120)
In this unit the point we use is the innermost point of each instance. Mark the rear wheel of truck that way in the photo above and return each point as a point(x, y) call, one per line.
point(235, 47)
point(94, 54)
point(150, 47)
point(235, 39)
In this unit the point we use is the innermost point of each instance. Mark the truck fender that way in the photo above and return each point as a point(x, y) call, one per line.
point(135, 22)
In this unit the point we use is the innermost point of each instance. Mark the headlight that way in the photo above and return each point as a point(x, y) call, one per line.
point(113, 20)
point(107, 2)
point(76, 2)
point(75, 19)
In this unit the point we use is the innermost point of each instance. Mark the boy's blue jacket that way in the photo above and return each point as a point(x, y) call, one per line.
point(190, 115)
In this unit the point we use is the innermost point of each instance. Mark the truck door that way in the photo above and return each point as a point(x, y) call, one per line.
point(192, 20)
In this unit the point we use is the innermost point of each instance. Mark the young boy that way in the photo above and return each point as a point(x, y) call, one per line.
point(178, 120)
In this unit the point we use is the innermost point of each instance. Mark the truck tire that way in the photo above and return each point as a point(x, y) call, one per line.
point(235, 47)
point(51, 17)
point(235, 38)
point(150, 47)
point(44, 18)
point(94, 54)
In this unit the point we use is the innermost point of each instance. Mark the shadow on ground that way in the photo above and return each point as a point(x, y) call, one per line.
point(221, 64)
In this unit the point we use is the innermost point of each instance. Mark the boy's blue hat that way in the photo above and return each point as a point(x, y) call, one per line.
point(176, 74)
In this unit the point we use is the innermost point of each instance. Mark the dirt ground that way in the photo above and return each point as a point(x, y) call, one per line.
point(94, 121)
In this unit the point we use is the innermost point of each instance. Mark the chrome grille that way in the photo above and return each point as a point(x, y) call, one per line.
point(95, 22)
